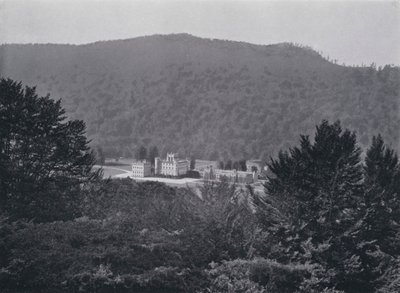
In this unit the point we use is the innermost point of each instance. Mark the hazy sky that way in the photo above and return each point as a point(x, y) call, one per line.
point(351, 32)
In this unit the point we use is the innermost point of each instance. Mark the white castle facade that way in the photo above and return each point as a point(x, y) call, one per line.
point(171, 166)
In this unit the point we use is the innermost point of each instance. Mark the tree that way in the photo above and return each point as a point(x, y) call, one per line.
point(228, 165)
point(44, 158)
point(376, 234)
point(324, 178)
point(326, 209)
point(192, 163)
point(153, 153)
point(99, 155)
point(381, 167)
point(223, 226)
point(313, 206)
point(382, 196)
point(141, 153)
point(242, 165)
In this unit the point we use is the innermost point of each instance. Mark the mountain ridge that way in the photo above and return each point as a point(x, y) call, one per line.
point(209, 98)
point(165, 36)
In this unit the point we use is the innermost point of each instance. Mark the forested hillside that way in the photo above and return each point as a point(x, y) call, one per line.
point(208, 98)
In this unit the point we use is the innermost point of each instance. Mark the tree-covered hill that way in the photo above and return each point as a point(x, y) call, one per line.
point(208, 98)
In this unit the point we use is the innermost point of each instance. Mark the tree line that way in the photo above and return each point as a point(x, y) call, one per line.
point(150, 155)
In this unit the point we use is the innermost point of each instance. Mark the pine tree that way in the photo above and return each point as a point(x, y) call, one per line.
point(315, 192)
point(323, 178)
point(153, 153)
point(382, 196)
point(228, 165)
point(375, 236)
point(192, 163)
point(381, 167)
point(141, 153)
point(242, 164)
point(99, 155)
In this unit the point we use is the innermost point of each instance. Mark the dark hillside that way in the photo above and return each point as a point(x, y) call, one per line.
point(211, 98)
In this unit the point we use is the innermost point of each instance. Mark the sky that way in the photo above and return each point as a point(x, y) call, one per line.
point(354, 33)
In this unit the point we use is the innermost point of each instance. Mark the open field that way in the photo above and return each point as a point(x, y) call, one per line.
point(168, 181)
point(111, 171)
point(124, 172)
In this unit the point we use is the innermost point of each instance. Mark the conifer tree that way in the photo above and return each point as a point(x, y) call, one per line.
point(141, 153)
point(153, 153)
point(321, 179)
point(313, 202)
point(242, 164)
point(382, 196)
point(192, 163)
point(376, 234)
point(99, 155)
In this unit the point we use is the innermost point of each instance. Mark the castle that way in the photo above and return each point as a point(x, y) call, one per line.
point(171, 166)
point(208, 170)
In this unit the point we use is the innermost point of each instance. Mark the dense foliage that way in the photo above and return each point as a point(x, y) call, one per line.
point(143, 237)
point(329, 223)
point(212, 99)
point(44, 158)
point(333, 213)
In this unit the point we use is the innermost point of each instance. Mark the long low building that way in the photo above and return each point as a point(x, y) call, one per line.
point(233, 176)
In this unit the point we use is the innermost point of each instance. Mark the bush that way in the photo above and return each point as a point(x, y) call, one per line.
point(257, 275)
